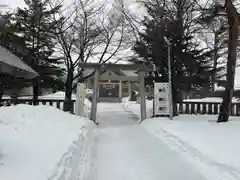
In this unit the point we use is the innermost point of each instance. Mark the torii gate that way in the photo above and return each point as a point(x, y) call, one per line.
point(141, 69)
point(233, 22)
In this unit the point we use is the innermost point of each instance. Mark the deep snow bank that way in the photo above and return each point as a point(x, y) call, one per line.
point(39, 143)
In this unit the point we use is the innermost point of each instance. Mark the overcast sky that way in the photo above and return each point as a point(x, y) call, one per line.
point(16, 3)
point(13, 3)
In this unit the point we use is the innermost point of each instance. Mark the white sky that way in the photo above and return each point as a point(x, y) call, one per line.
point(16, 3)
point(13, 3)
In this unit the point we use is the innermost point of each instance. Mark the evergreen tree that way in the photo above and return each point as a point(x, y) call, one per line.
point(16, 45)
point(191, 65)
point(215, 24)
point(36, 25)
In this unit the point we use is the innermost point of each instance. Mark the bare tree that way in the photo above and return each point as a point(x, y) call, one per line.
point(89, 32)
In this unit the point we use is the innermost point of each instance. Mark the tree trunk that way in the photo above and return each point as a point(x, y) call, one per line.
point(175, 95)
point(215, 61)
point(174, 102)
point(35, 91)
point(226, 105)
point(175, 113)
point(68, 106)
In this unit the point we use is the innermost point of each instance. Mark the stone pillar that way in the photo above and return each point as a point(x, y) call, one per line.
point(93, 116)
point(88, 85)
point(142, 96)
point(129, 89)
point(120, 89)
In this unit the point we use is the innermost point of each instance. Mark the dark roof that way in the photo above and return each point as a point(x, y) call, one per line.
point(118, 72)
point(109, 66)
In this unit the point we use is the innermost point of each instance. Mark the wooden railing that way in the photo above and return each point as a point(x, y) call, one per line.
point(182, 108)
point(205, 108)
point(51, 102)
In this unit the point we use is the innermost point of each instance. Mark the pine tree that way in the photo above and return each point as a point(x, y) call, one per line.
point(36, 25)
point(16, 45)
point(191, 67)
point(215, 23)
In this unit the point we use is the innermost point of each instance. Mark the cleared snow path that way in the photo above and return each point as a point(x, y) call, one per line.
point(128, 152)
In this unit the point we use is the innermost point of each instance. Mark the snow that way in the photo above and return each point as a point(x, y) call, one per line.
point(210, 99)
point(211, 147)
point(127, 151)
point(42, 142)
point(133, 106)
point(60, 96)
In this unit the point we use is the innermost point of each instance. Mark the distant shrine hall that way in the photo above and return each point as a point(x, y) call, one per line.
point(114, 85)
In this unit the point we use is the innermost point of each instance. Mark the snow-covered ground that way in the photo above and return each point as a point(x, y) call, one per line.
point(214, 148)
point(126, 151)
point(44, 143)
point(132, 106)
point(211, 147)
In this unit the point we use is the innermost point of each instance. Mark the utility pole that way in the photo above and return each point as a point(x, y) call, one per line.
point(169, 78)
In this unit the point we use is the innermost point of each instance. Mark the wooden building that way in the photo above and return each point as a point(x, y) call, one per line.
point(114, 85)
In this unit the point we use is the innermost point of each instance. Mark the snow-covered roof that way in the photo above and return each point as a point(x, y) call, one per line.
point(87, 72)
point(9, 62)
